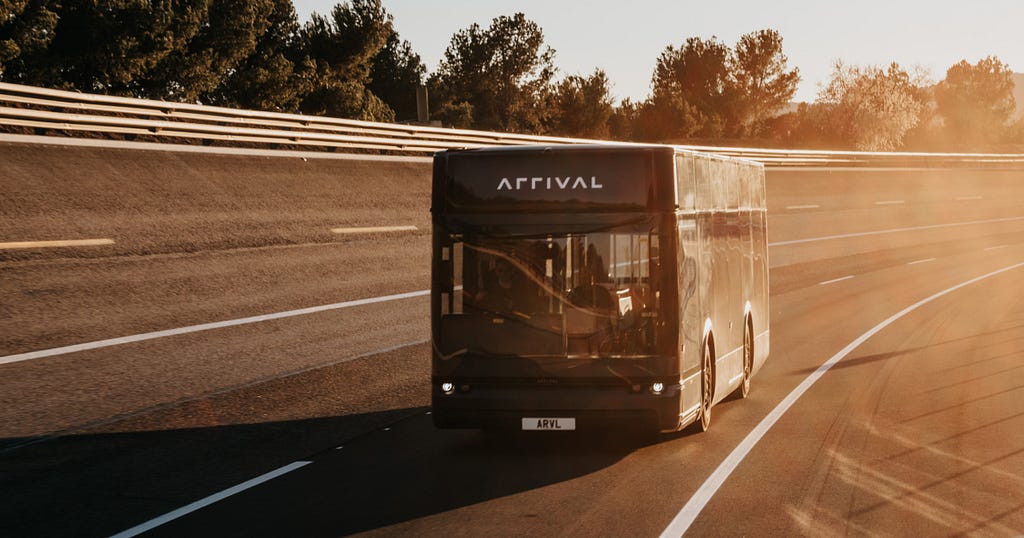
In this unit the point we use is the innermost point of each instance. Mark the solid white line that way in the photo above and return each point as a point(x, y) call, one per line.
point(374, 229)
point(693, 507)
point(204, 327)
point(56, 244)
point(892, 231)
point(834, 280)
point(809, 206)
point(997, 247)
point(921, 261)
point(202, 503)
point(889, 202)
point(969, 198)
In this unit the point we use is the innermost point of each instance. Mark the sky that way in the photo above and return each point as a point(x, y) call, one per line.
point(625, 38)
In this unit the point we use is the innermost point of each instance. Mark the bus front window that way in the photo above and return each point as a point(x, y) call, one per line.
point(585, 295)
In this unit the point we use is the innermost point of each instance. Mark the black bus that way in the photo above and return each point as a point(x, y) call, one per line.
point(574, 284)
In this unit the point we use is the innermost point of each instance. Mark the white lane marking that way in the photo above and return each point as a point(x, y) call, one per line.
point(203, 503)
point(808, 206)
point(204, 327)
point(834, 280)
point(962, 198)
point(997, 247)
point(926, 260)
point(208, 326)
point(56, 244)
point(374, 229)
point(892, 231)
point(889, 202)
point(693, 507)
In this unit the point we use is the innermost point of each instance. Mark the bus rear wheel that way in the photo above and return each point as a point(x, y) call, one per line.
point(748, 359)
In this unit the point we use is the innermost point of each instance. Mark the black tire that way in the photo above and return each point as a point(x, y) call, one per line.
point(707, 391)
point(748, 359)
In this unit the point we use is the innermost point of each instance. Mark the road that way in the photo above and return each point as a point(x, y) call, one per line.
point(918, 430)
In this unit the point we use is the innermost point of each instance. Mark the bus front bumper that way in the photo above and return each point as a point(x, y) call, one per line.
point(592, 407)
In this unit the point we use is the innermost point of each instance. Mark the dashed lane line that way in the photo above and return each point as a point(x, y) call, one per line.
point(834, 280)
point(56, 244)
point(374, 229)
point(893, 230)
point(311, 310)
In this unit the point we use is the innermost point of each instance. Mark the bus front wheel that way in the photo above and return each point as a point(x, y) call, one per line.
point(707, 390)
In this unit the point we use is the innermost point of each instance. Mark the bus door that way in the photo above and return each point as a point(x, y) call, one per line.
point(691, 314)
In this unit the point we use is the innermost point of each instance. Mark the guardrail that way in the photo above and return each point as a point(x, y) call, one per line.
point(48, 111)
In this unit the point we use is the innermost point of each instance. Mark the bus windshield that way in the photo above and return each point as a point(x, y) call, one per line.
point(573, 295)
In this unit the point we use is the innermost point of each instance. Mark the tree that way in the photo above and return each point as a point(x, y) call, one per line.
point(499, 76)
point(274, 75)
point(691, 85)
point(103, 46)
point(761, 81)
point(976, 101)
point(582, 106)
point(26, 31)
point(340, 51)
point(667, 117)
point(871, 108)
point(622, 122)
point(395, 73)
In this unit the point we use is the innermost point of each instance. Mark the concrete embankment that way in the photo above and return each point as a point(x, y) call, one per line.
point(159, 201)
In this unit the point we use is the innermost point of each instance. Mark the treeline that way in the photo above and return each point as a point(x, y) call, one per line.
point(352, 63)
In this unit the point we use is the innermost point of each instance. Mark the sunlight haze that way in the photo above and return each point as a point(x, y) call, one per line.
point(625, 38)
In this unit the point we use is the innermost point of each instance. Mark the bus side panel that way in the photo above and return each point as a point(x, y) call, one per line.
point(691, 309)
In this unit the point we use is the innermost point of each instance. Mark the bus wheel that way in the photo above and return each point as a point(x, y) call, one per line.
point(707, 390)
point(748, 359)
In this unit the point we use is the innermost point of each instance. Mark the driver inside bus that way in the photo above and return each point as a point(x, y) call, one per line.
point(505, 289)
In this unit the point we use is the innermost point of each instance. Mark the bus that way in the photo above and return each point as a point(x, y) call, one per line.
point(577, 285)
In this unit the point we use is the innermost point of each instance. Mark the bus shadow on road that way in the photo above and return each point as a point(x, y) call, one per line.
point(396, 478)
point(99, 483)
point(368, 471)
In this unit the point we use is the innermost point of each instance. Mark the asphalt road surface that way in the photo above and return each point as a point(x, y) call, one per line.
point(917, 430)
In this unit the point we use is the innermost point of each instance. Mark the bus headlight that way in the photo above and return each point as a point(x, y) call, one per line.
point(447, 388)
point(656, 388)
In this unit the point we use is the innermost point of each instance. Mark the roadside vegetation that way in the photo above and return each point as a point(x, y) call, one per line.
point(352, 63)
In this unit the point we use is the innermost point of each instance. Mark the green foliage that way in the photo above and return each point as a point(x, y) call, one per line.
point(503, 73)
point(395, 73)
point(623, 119)
point(691, 91)
point(871, 108)
point(582, 106)
point(976, 101)
point(103, 46)
point(273, 76)
point(26, 30)
point(705, 89)
point(218, 42)
point(762, 84)
point(340, 51)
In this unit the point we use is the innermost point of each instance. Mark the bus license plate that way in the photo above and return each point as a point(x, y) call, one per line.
point(549, 424)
